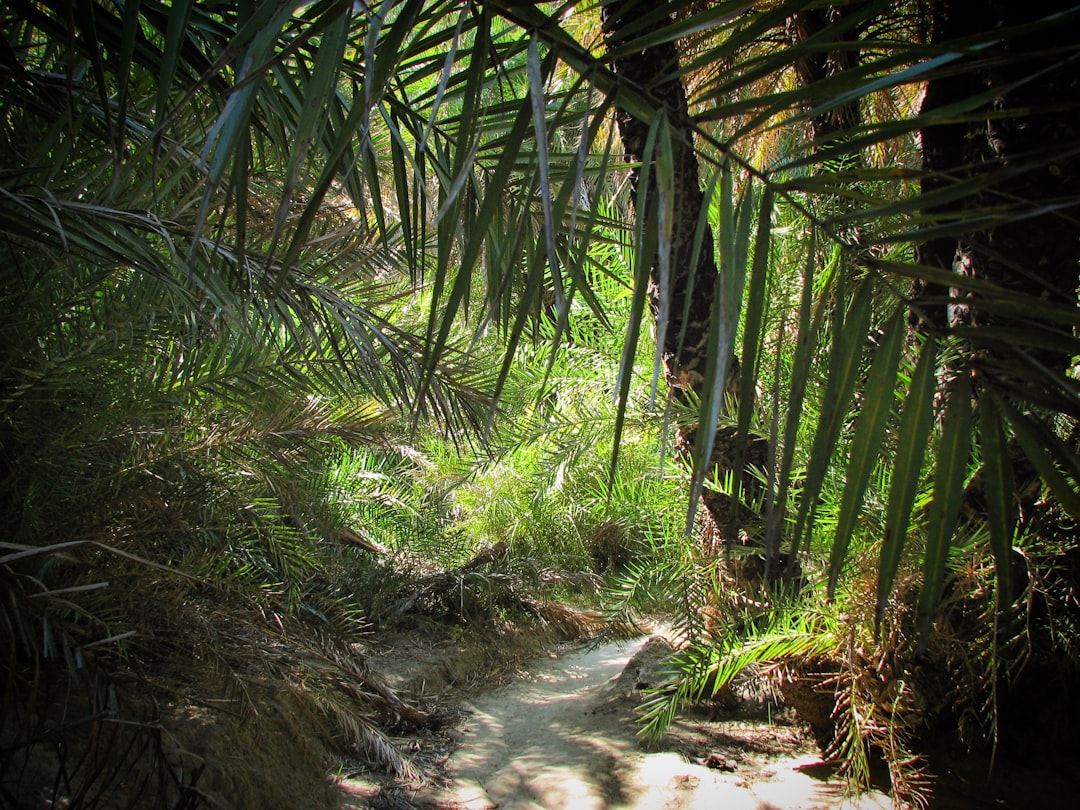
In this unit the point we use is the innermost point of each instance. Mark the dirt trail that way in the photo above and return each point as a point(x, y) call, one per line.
point(563, 739)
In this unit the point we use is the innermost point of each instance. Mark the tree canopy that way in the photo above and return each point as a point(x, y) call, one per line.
point(835, 245)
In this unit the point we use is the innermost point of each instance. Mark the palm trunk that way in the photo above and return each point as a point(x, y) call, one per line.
point(1033, 255)
point(830, 125)
point(1036, 254)
point(692, 289)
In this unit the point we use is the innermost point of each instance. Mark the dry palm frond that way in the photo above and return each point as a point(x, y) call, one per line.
point(325, 675)
point(568, 622)
point(72, 727)
point(492, 587)
point(873, 727)
point(169, 647)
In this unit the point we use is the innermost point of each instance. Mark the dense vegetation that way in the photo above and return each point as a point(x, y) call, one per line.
point(333, 316)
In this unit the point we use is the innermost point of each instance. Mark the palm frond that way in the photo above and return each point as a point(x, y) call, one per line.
point(704, 669)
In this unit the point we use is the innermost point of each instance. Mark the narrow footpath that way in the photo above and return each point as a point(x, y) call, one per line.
point(563, 738)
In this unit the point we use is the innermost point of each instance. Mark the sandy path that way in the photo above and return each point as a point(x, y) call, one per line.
point(561, 740)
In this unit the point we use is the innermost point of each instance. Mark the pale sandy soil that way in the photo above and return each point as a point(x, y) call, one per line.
point(562, 737)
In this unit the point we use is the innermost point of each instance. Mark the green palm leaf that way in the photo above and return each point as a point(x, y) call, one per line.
point(916, 421)
point(950, 474)
point(877, 402)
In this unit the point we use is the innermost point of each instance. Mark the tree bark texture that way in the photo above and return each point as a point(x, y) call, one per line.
point(1031, 79)
point(693, 289)
point(816, 66)
point(1032, 113)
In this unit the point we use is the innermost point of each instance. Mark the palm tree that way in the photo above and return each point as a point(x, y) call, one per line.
point(684, 284)
point(684, 279)
point(180, 367)
point(989, 152)
point(244, 208)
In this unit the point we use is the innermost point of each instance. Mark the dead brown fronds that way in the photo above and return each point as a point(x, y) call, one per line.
point(487, 592)
point(72, 730)
point(172, 692)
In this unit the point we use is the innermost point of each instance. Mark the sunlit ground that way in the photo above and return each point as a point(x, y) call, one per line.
point(551, 743)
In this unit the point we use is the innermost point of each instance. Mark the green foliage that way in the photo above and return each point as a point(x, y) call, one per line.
point(263, 120)
point(274, 273)
point(737, 640)
point(552, 498)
